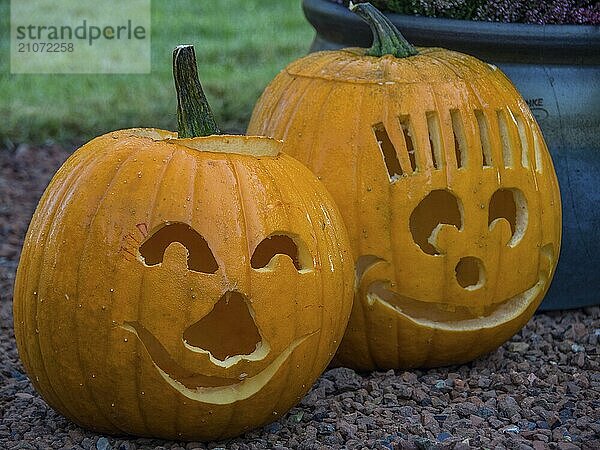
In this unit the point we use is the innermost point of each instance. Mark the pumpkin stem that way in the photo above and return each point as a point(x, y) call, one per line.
point(194, 116)
point(387, 40)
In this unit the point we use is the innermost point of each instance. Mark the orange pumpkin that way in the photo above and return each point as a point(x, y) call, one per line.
point(182, 288)
point(446, 187)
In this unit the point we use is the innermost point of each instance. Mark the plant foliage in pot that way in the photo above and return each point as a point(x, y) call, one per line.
point(556, 67)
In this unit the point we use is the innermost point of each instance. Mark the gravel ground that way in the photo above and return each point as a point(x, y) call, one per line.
point(540, 390)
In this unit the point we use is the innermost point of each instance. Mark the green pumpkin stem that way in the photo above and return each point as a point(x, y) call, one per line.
point(194, 116)
point(387, 40)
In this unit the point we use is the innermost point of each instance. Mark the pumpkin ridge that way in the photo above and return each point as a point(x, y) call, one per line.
point(422, 78)
point(72, 188)
point(324, 58)
point(357, 200)
point(83, 252)
point(47, 223)
point(313, 145)
point(240, 201)
point(444, 62)
point(140, 350)
point(340, 70)
point(287, 375)
point(295, 84)
point(190, 219)
point(150, 152)
point(325, 198)
point(294, 186)
point(268, 115)
point(138, 345)
point(297, 101)
point(65, 188)
point(288, 372)
point(183, 153)
point(391, 226)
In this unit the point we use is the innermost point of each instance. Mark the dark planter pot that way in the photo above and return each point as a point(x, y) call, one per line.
point(557, 70)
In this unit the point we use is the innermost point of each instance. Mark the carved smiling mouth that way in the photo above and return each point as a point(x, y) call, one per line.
point(205, 388)
point(443, 316)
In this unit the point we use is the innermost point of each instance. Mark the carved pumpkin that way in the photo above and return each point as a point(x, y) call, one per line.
point(183, 288)
point(446, 187)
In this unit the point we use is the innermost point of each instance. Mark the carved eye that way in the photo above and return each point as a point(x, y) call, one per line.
point(280, 244)
point(200, 257)
point(438, 207)
point(511, 205)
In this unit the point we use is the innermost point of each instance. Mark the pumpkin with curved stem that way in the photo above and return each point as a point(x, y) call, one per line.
point(446, 186)
point(181, 287)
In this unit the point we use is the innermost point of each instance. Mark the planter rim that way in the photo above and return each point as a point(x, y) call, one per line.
point(561, 44)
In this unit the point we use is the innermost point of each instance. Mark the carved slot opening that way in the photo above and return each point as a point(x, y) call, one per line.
point(538, 153)
point(439, 207)
point(200, 256)
point(523, 138)
point(484, 135)
point(228, 330)
point(470, 273)
point(410, 147)
point(505, 139)
point(435, 139)
point(460, 142)
point(511, 205)
point(280, 244)
point(390, 158)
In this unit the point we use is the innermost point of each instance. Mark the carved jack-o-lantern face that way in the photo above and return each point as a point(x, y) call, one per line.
point(225, 329)
point(181, 288)
point(447, 190)
point(465, 224)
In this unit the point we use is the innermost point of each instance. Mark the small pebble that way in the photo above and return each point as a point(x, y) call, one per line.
point(273, 428)
point(103, 444)
point(577, 348)
point(518, 347)
point(443, 436)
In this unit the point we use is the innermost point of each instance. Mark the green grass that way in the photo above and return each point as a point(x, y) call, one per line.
point(240, 45)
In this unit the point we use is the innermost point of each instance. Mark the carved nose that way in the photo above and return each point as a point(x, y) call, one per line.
point(470, 273)
point(228, 330)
